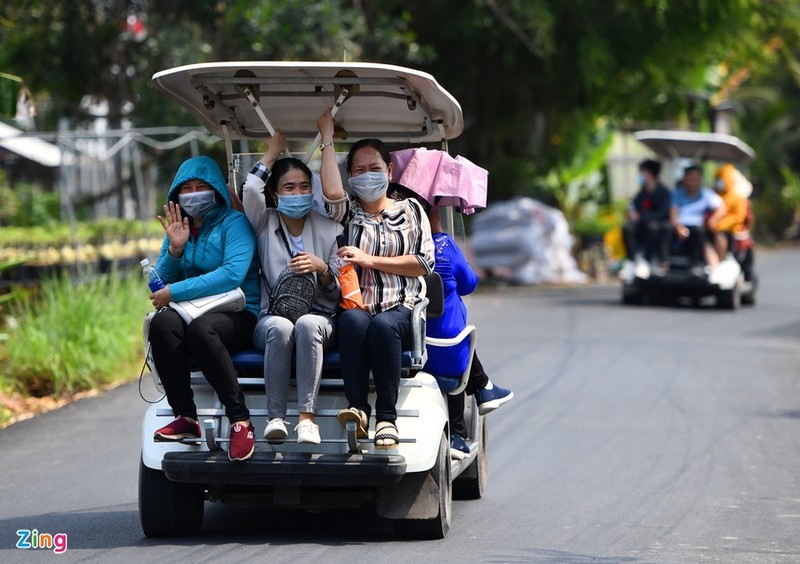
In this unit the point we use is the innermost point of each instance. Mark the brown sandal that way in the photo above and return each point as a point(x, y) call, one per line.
point(355, 414)
point(386, 435)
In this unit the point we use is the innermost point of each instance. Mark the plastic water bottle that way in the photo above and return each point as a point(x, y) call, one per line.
point(150, 274)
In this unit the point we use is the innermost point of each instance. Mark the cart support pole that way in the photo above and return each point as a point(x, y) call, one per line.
point(338, 104)
point(248, 93)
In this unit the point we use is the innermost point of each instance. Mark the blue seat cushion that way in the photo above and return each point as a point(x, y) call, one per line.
point(447, 383)
point(253, 360)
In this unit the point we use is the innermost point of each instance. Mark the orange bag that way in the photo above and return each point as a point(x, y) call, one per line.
point(351, 291)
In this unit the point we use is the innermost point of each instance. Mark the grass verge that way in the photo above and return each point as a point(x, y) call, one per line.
point(68, 338)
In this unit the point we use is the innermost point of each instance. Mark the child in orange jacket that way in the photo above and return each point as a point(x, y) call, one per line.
point(736, 205)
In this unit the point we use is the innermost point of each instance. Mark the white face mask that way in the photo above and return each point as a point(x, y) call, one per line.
point(198, 204)
point(370, 186)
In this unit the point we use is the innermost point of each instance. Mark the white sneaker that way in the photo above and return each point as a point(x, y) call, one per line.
point(642, 269)
point(307, 432)
point(627, 271)
point(276, 430)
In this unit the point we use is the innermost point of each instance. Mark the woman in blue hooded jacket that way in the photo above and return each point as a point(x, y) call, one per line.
point(208, 248)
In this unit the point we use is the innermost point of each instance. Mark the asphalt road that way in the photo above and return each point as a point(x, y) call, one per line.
point(638, 434)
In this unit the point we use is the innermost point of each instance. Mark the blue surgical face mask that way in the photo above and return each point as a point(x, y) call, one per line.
point(370, 186)
point(719, 185)
point(295, 205)
point(640, 179)
point(198, 204)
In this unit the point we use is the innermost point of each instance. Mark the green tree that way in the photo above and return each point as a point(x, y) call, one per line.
point(766, 99)
point(540, 81)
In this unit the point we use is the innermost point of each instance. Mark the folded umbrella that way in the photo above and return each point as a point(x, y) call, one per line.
point(441, 179)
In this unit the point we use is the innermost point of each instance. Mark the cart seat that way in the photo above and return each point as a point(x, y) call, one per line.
point(252, 360)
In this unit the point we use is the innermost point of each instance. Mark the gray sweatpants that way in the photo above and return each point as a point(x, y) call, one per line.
point(279, 339)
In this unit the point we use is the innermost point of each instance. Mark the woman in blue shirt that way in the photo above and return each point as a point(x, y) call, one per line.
point(458, 279)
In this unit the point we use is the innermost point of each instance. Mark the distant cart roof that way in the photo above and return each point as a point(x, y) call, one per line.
point(694, 145)
point(389, 102)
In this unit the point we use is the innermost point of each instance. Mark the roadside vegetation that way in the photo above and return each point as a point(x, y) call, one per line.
point(71, 301)
point(68, 337)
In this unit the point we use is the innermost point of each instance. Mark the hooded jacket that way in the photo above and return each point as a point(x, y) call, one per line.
point(223, 255)
point(735, 203)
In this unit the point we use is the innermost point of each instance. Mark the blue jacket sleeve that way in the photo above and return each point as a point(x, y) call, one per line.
point(238, 251)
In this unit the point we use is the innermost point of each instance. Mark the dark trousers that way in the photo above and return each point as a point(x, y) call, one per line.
point(455, 404)
point(209, 339)
point(651, 237)
point(373, 342)
point(695, 243)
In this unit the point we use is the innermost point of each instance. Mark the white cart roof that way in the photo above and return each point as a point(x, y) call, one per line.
point(696, 146)
point(391, 103)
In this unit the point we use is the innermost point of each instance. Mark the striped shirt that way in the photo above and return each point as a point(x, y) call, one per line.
point(401, 229)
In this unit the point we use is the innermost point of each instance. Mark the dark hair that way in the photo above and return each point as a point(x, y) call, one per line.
point(399, 192)
point(281, 167)
point(376, 144)
point(651, 166)
point(691, 168)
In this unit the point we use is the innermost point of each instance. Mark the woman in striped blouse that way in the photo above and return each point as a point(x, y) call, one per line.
point(391, 246)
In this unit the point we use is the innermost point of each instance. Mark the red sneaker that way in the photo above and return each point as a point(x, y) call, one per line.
point(242, 443)
point(181, 428)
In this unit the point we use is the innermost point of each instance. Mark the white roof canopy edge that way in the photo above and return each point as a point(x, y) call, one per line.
point(387, 101)
point(695, 145)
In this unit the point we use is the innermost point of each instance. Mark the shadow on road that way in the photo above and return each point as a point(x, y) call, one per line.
point(118, 527)
point(543, 556)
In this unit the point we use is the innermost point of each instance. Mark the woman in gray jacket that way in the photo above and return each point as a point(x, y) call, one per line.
point(292, 235)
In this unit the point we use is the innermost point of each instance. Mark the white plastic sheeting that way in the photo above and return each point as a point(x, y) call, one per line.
point(526, 242)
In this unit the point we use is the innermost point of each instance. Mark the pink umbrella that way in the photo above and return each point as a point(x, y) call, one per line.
point(441, 179)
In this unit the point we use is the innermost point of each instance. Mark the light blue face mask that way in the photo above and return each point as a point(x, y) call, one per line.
point(198, 204)
point(295, 205)
point(640, 179)
point(719, 185)
point(370, 186)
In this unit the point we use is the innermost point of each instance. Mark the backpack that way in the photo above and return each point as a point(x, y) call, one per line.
point(292, 295)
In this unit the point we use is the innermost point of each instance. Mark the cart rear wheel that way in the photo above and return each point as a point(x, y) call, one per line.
point(631, 296)
point(730, 299)
point(437, 527)
point(167, 508)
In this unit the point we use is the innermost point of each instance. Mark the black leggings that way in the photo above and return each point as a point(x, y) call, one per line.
point(455, 404)
point(210, 340)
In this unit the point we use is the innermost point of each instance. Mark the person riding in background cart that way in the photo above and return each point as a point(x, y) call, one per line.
point(736, 209)
point(647, 232)
point(695, 210)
